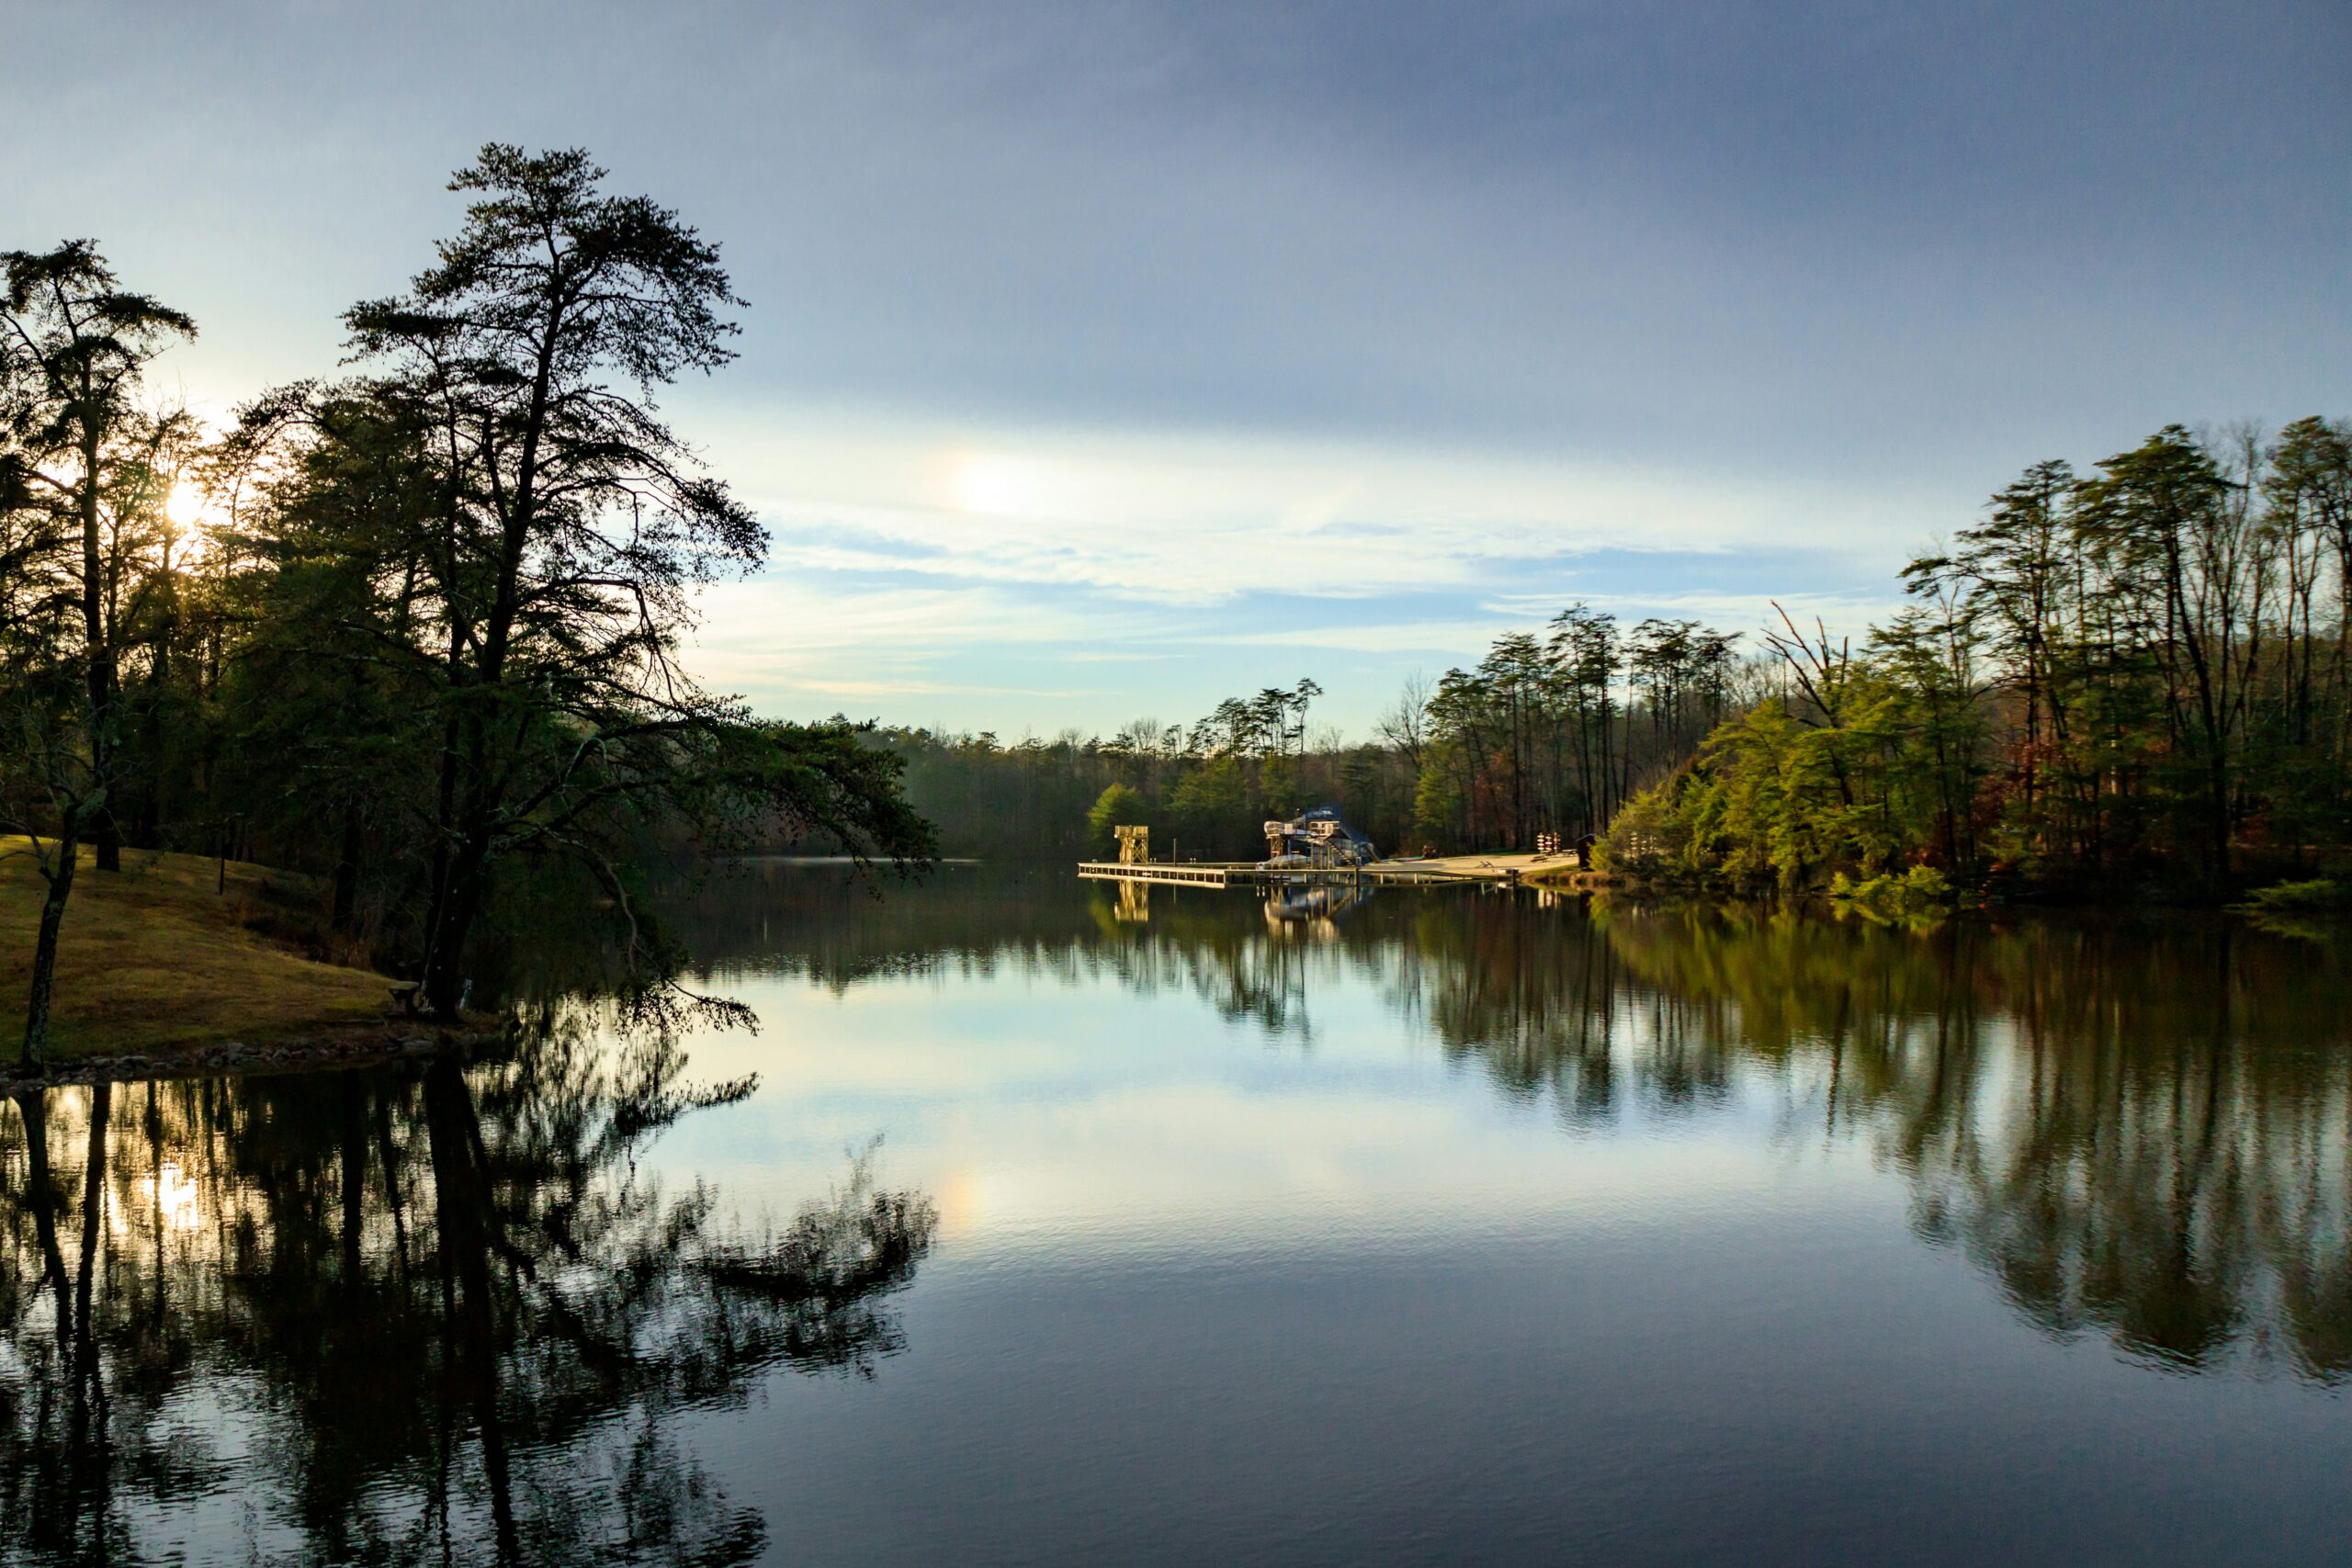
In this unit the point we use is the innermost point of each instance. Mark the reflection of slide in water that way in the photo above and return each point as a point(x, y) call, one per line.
point(1288, 902)
point(1320, 838)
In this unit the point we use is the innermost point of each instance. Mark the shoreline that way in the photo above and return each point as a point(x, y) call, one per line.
point(350, 1048)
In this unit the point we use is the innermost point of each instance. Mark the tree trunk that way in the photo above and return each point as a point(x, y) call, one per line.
point(52, 918)
point(97, 649)
point(352, 1167)
point(445, 970)
point(347, 873)
point(462, 1201)
point(94, 1180)
point(33, 1105)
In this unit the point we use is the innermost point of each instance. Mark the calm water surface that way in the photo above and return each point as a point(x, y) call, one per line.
point(1068, 1226)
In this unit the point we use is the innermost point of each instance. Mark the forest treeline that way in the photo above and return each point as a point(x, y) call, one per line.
point(1550, 732)
point(426, 638)
point(2135, 679)
point(2132, 681)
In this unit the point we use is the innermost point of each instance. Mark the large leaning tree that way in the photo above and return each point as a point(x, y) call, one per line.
point(567, 530)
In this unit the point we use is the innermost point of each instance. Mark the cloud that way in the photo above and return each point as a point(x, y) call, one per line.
point(985, 566)
point(851, 688)
point(783, 616)
point(1190, 519)
point(1462, 638)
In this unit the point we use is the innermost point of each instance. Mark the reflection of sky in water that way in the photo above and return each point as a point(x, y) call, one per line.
point(1209, 1291)
point(1125, 1121)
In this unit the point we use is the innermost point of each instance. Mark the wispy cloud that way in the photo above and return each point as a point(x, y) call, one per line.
point(980, 565)
point(1465, 638)
point(1193, 520)
point(939, 688)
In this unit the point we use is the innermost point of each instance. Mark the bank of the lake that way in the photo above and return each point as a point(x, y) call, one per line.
point(178, 954)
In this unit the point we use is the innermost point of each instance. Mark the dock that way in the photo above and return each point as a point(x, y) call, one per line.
point(1499, 868)
point(1191, 873)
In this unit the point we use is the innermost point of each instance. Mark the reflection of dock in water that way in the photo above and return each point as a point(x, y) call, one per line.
point(1318, 846)
point(1292, 897)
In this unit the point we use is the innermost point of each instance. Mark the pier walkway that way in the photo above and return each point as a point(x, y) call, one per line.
point(1196, 873)
point(1504, 868)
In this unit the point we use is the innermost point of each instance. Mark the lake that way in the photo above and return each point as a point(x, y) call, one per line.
point(1054, 1221)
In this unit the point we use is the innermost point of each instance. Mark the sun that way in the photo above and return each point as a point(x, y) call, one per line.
point(185, 504)
point(197, 528)
point(985, 482)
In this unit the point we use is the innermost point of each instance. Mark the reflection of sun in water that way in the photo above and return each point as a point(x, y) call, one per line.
point(957, 1198)
point(170, 1193)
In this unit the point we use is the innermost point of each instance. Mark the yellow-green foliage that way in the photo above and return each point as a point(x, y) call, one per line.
point(1772, 801)
point(151, 955)
point(1116, 807)
point(1438, 802)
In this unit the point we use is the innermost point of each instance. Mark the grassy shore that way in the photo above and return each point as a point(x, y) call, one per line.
point(161, 955)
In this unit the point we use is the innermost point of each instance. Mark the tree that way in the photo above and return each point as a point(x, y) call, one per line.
point(327, 707)
point(2309, 496)
point(2182, 556)
point(1404, 727)
point(569, 530)
point(1213, 804)
point(78, 345)
point(1116, 807)
point(2014, 571)
point(73, 346)
point(1584, 651)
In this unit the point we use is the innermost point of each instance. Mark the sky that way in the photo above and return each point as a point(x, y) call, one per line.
point(1108, 358)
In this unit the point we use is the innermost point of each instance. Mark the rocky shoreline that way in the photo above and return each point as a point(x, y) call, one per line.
point(356, 1047)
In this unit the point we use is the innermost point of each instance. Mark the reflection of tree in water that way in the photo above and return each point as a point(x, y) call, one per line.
point(776, 919)
point(2143, 1131)
point(400, 1315)
point(2140, 1130)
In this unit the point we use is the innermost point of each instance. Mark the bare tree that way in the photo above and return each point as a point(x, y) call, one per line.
point(1404, 725)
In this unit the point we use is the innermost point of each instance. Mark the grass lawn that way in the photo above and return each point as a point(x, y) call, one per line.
point(153, 956)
